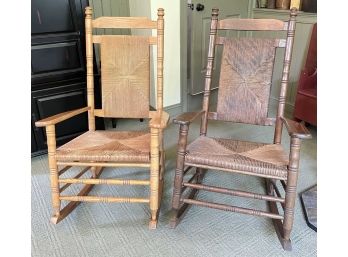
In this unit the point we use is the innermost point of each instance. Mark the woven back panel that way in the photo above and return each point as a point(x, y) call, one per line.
point(245, 80)
point(125, 76)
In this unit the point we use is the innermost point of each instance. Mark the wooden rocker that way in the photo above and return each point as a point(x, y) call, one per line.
point(245, 81)
point(125, 78)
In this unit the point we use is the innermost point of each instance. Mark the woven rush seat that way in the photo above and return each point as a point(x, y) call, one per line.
point(259, 158)
point(107, 146)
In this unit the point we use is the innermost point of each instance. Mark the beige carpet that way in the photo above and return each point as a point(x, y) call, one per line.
point(103, 229)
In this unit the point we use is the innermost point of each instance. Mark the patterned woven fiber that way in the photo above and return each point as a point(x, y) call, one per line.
point(245, 80)
point(103, 146)
point(259, 158)
point(125, 75)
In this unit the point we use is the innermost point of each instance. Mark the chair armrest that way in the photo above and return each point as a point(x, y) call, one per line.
point(296, 129)
point(159, 121)
point(187, 117)
point(60, 117)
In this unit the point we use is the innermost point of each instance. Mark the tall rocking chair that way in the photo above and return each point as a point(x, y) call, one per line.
point(125, 78)
point(243, 97)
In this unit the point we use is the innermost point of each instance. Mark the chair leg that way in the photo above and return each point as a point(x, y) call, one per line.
point(290, 199)
point(161, 177)
point(290, 193)
point(179, 173)
point(114, 122)
point(52, 163)
point(54, 189)
point(201, 173)
point(94, 171)
point(154, 179)
point(84, 192)
point(284, 229)
point(278, 225)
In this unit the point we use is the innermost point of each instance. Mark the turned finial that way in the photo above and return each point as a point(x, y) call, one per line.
point(293, 12)
point(160, 12)
point(88, 11)
point(215, 11)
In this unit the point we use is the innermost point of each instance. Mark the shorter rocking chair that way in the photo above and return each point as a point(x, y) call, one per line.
point(125, 78)
point(243, 97)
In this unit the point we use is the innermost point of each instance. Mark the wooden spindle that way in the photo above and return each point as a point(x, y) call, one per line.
point(89, 65)
point(290, 196)
point(285, 76)
point(160, 54)
point(51, 149)
point(210, 65)
point(154, 177)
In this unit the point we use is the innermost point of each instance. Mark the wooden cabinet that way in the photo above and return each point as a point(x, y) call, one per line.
point(58, 70)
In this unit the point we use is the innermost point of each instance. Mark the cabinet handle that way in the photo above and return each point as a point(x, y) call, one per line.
point(200, 7)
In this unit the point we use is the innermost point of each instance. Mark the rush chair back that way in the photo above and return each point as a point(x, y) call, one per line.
point(244, 90)
point(125, 78)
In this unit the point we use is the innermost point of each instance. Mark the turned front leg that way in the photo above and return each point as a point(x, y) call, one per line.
point(180, 163)
point(154, 176)
point(290, 196)
point(51, 145)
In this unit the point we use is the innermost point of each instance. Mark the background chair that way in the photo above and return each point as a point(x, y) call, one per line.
point(243, 97)
point(125, 77)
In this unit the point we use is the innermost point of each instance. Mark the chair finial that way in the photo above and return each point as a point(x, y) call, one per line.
point(215, 11)
point(160, 12)
point(293, 12)
point(88, 11)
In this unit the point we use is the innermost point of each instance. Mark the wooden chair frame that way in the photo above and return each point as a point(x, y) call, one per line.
point(283, 223)
point(159, 120)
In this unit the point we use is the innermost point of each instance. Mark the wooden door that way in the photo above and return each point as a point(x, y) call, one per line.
point(199, 16)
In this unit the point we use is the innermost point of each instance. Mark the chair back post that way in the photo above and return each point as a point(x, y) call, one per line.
point(210, 64)
point(90, 77)
point(285, 76)
point(160, 51)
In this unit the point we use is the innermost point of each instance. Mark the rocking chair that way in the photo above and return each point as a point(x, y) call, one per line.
point(125, 78)
point(243, 97)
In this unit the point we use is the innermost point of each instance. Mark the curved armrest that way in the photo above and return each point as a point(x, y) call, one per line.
point(159, 122)
point(60, 117)
point(187, 117)
point(296, 129)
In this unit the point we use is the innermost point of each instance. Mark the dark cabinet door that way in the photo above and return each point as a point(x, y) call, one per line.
point(49, 102)
point(48, 16)
point(33, 140)
point(57, 40)
point(58, 73)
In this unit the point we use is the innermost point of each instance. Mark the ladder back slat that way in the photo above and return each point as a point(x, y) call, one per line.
point(97, 39)
point(124, 22)
point(252, 24)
